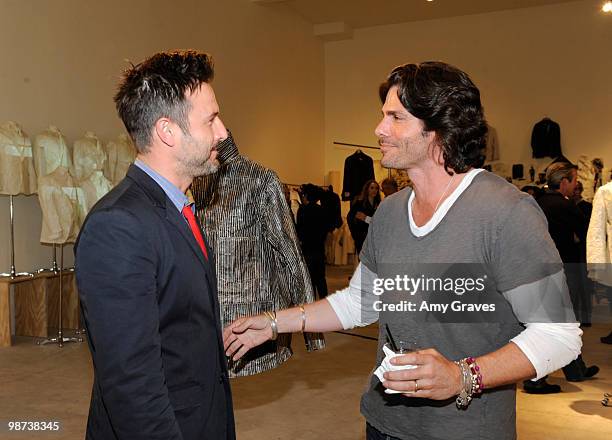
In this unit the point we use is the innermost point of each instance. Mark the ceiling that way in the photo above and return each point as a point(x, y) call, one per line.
point(365, 13)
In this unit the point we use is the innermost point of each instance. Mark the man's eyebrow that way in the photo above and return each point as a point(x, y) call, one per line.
point(391, 112)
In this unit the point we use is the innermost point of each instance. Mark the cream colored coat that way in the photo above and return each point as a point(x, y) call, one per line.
point(599, 237)
point(17, 175)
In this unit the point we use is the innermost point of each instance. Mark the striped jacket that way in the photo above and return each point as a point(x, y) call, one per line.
point(259, 264)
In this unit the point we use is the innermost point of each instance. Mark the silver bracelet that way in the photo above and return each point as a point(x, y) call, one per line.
point(465, 395)
point(273, 323)
point(303, 317)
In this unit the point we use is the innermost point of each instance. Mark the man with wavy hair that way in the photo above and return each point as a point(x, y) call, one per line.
point(457, 214)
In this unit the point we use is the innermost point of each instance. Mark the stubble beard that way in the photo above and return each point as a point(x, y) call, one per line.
point(197, 165)
point(406, 153)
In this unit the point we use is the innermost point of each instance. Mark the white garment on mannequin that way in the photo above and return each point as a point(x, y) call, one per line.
point(599, 237)
point(89, 161)
point(121, 154)
point(87, 156)
point(57, 193)
point(59, 201)
point(51, 152)
point(17, 174)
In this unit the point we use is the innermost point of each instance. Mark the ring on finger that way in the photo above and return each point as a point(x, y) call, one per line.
point(416, 385)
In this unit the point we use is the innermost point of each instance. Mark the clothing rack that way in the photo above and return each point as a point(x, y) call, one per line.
point(297, 185)
point(356, 145)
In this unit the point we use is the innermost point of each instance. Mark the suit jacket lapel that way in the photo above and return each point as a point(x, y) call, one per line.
point(174, 217)
point(178, 221)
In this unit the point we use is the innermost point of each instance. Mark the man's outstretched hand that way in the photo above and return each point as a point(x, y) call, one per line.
point(245, 333)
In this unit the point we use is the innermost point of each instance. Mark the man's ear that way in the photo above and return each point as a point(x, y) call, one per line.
point(166, 131)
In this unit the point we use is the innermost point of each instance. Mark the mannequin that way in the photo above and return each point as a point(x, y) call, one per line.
point(17, 175)
point(121, 153)
point(246, 220)
point(57, 193)
point(89, 160)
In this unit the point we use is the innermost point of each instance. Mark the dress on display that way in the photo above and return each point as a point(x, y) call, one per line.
point(57, 193)
point(244, 214)
point(120, 155)
point(17, 175)
point(89, 160)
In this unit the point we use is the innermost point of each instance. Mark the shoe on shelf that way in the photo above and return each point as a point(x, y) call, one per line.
point(606, 339)
point(540, 386)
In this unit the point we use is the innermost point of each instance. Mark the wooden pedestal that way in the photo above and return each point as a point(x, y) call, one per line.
point(36, 305)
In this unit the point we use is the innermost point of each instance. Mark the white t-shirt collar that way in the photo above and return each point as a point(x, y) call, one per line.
point(421, 231)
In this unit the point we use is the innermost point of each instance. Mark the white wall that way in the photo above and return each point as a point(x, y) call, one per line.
point(551, 61)
point(61, 60)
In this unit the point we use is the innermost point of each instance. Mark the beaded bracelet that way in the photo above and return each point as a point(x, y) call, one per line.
point(478, 385)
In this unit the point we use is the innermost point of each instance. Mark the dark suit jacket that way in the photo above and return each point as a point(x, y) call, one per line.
point(565, 222)
point(358, 169)
point(546, 139)
point(149, 303)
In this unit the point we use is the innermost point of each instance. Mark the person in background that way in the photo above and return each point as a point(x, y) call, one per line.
point(599, 246)
point(389, 186)
point(584, 206)
point(589, 287)
point(361, 212)
point(567, 227)
point(312, 227)
point(532, 190)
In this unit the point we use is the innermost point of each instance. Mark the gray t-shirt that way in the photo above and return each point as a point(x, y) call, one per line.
point(494, 227)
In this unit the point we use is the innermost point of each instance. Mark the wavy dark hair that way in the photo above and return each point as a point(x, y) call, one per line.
point(448, 103)
point(156, 88)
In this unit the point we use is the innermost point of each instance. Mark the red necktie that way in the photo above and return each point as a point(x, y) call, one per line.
point(188, 213)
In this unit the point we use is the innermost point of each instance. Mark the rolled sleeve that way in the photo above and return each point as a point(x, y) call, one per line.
point(354, 305)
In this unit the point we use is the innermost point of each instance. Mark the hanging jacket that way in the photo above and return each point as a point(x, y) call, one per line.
point(546, 139)
point(358, 169)
point(260, 267)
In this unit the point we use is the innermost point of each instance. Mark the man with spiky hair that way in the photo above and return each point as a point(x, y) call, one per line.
point(145, 277)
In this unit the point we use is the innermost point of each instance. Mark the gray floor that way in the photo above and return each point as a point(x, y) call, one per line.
point(313, 396)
